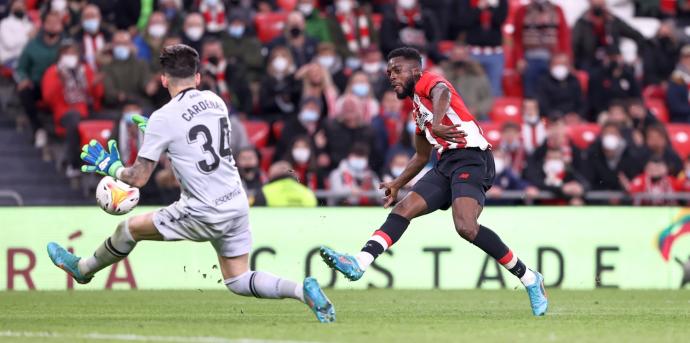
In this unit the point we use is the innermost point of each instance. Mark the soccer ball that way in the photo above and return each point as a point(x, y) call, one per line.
point(116, 197)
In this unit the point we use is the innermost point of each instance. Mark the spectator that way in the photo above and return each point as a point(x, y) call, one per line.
point(661, 53)
point(303, 157)
point(596, 31)
point(123, 13)
point(317, 83)
point(408, 24)
point(354, 179)
point(557, 139)
point(677, 94)
point(213, 12)
point(655, 183)
point(301, 45)
point(405, 143)
point(541, 33)
point(242, 49)
point(683, 183)
point(327, 58)
point(389, 122)
point(508, 180)
point(15, 31)
point(92, 35)
point(533, 126)
point(614, 80)
point(558, 176)
point(484, 20)
point(374, 67)
point(36, 57)
point(224, 79)
point(166, 184)
point(560, 92)
point(352, 28)
point(253, 178)
point(641, 117)
point(193, 32)
point(360, 88)
point(174, 15)
point(512, 147)
point(126, 78)
point(68, 17)
point(611, 159)
point(151, 41)
point(346, 129)
point(128, 134)
point(316, 25)
point(469, 78)
point(396, 166)
point(658, 146)
point(282, 190)
point(280, 91)
point(69, 89)
point(306, 123)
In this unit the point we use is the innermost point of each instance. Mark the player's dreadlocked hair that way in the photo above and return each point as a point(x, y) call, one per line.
point(406, 53)
point(179, 61)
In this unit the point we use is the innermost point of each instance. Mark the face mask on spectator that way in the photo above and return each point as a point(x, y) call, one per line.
point(68, 61)
point(306, 9)
point(127, 116)
point(157, 30)
point(598, 11)
point(326, 61)
point(358, 164)
point(214, 60)
point(280, 64)
point(371, 68)
point(211, 3)
point(194, 33)
point(411, 127)
point(500, 165)
point(407, 4)
point(308, 116)
point(236, 31)
point(91, 25)
point(343, 6)
point(353, 63)
point(121, 52)
point(554, 167)
point(295, 32)
point(301, 155)
point(559, 72)
point(19, 14)
point(58, 5)
point(397, 171)
point(531, 118)
point(610, 142)
point(360, 89)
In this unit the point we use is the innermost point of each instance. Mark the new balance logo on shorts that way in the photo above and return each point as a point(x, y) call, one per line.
point(464, 176)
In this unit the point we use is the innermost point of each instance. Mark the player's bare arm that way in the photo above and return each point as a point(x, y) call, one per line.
point(419, 160)
point(138, 174)
point(440, 98)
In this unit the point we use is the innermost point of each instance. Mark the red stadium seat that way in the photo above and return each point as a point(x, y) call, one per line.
point(269, 25)
point(287, 5)
point(512, 83)
point(583, 77)
point(258, 132)
point(654, 92)
point(658, 109)
point(492, 132)
point(583, 135)
point(506, 109)
point(668, 6)
point(510, 62)
point(277, 129)
point(99, 130)
point(267, 154)
point(680, 138)
point(445, 47)
point(377, 19)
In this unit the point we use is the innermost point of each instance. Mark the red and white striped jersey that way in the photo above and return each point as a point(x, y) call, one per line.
point(457, 114)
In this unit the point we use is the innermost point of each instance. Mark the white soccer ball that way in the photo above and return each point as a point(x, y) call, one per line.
point(116, 197)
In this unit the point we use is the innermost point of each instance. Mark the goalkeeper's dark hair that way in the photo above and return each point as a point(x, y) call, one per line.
point(406, 53)
point(179, 61)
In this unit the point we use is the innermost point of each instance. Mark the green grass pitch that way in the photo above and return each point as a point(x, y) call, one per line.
point(362, 316)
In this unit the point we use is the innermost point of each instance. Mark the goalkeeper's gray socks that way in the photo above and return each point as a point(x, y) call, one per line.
point(264, 285)
point(114, 249)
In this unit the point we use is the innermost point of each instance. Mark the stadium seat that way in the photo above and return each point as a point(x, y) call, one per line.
point(269, 25)
point(654, 92)
point(258, 132)
point(287, 5)
point(658, 109)
point(680, 138)
point(506, 109)
point(445, 47)
point(508, 53)
point(267, 154)
point(668, 6)
point(583, 135)
point(492, 132)
point(583, 77)
point(377, 19)
point(512, 83)
point(99, 130)
point(277, 129)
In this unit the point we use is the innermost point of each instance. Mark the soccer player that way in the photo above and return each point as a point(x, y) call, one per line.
point(460, 178)
point(193, 129)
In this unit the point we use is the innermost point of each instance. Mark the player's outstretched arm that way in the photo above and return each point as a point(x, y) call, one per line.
point(419, 160)
point(440, 99)
point(139, 173)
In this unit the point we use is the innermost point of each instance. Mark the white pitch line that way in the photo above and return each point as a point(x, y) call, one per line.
point(139, 338)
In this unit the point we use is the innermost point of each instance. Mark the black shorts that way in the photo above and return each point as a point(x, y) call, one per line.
point(466, 172)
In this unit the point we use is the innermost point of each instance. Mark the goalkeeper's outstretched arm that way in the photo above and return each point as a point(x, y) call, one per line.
point(138, 174)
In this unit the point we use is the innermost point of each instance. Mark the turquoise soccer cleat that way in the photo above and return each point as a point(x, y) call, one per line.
point(343, 263)
point(318, 301)
point(537, 296)
point(67, 262)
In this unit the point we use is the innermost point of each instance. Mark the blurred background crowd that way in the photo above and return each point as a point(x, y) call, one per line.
point(584, 102)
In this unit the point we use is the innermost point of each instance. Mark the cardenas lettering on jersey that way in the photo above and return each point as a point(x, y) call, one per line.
point(199, 107)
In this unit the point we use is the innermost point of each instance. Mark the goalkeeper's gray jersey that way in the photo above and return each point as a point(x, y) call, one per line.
point(193, 129)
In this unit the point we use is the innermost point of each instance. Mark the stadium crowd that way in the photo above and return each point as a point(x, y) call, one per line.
point(312, 112)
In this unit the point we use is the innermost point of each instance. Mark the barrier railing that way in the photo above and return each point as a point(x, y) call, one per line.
point(10, 194)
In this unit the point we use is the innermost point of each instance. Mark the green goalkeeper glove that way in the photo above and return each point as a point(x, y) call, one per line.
point(99, 160)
